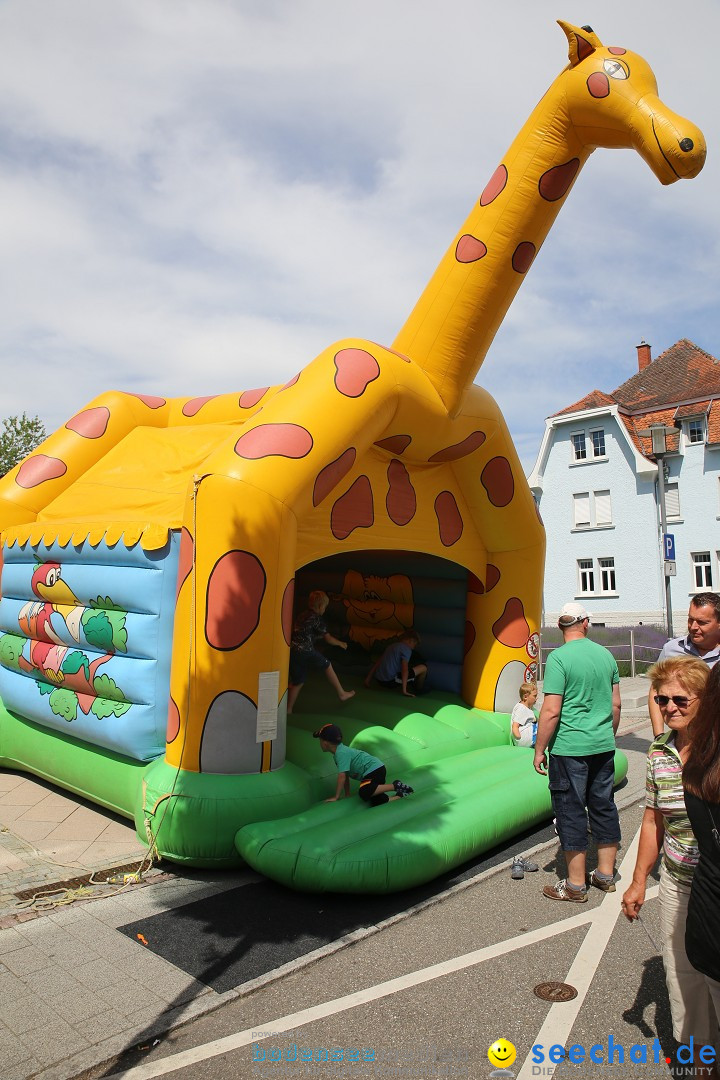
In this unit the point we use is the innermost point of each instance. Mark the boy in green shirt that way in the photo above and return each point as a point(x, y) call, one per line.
point(359, 765)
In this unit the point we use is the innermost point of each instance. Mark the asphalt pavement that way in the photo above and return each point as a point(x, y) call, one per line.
point(452, 973)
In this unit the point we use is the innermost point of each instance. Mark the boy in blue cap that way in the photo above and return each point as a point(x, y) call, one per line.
point(358, 765)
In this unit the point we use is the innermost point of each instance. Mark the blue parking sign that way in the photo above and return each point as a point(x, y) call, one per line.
point(669, 546)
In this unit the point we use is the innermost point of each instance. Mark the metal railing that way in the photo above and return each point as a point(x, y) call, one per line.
point(623, 652)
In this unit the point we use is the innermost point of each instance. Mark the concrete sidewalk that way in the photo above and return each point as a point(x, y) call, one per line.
point(73, 990)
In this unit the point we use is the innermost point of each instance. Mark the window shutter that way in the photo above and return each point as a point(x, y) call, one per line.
point(603, 509)
point(672, 500)
point(581, 504)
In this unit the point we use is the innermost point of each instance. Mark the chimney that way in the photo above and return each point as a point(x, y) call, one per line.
point(644, 357)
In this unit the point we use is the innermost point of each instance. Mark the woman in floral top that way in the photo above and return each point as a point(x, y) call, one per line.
point(678, 684)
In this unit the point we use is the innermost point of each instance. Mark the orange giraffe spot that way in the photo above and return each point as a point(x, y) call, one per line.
point(150, 401)
point(470, 635)
point(395, 444)
point(461, 449)
point(286, 617)
point(193, 407)
point(556, 182)
point(523, 256)
point(450, 522)
point(616, 51)
point(90, 423)
point(353, 510)
point(290, 382)
point(332, 474)
point(248, 398)
point(512, 628)
point(234, 594)
point(185, 559)
point(274, 440)
point(492, 576)
point(598, 84)
point(494, 186)
point(355, 369)
point(37, 470)
point(497, 479)
point(401, 500)
point(470, 249)
point(173, 722)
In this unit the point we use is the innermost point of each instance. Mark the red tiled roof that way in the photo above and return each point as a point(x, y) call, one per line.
point(594, 400)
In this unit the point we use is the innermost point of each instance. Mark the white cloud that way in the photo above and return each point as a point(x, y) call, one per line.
point(197, 197)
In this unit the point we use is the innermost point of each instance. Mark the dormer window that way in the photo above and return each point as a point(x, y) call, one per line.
point(694, 430)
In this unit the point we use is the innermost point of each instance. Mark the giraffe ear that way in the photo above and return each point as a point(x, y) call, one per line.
point(582, 41)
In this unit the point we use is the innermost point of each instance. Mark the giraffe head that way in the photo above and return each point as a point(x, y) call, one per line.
point(612, 101)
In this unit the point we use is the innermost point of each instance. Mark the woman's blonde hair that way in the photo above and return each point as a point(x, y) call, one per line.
point(692, 674)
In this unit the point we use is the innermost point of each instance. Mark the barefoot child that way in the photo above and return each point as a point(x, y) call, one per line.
point(303, 655)
point(369, 770)
point(523, 721)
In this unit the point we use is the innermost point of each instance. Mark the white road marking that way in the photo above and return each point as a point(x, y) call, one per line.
point(556, 1028)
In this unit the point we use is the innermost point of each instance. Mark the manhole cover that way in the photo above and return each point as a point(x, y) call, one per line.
point(555, 991)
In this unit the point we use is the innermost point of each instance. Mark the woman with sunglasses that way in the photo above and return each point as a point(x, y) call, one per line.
point(701, 780)
point(678, 684)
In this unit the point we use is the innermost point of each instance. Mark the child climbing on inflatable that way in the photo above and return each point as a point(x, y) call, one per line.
point(523, 721)
point(394, 669)
point(309, 627)
point(361, 766)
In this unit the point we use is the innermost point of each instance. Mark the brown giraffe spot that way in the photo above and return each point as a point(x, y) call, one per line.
point(353, 510)
point(400, 355)
point(173, 722)
point(523, 256)
point(461, 449)
point(450, 522)
point(332, 474)
point(395, 444)
point(287, 610)
point(150, 401)
point(475, 585)
point(249, 398)
point(401, 500)
point(598, 84)
point(235, 590)
point(616, 51)
point(470, 249)
point(290, 382)
point(274, 440)
point(185, 559)
point(90, 423)
point(512, 628)
point(193, 407)
point(492, 576)
point(470, 635)
point(36, 470)
point(494, 186)
point(497, 479)
point(556, 182)
point(584, 47)
point(355, 369)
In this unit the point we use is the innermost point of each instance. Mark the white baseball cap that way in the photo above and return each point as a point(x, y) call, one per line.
point(572, 613)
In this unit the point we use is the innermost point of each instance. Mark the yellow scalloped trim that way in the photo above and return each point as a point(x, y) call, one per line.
point(151, 536)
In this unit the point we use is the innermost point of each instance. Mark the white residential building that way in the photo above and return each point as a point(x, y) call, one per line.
point(596, 483)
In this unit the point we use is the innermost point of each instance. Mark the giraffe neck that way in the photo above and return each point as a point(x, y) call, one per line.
point(457, 316)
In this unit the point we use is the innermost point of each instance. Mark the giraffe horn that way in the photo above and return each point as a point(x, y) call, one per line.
point(582, 41)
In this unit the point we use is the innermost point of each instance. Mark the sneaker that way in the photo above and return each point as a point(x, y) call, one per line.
point(600, 883)
point(562, 890)
point(402, 789)
point(517, 870)
point(529, 866)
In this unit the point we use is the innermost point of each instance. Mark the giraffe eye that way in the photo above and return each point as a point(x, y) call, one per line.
point(615, 69)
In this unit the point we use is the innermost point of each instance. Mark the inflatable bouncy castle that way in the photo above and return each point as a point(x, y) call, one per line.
point(156, 551)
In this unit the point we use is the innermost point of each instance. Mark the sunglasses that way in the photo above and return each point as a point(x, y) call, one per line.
point(682, 702)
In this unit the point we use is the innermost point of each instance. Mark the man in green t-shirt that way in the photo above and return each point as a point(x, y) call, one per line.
point(578, 720)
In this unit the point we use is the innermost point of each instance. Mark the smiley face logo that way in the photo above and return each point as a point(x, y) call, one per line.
point(502, 1053)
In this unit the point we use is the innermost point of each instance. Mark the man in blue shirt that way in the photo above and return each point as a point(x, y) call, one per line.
point(702, 643)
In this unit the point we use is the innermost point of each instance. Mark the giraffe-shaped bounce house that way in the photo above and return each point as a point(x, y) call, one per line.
point(156, 552)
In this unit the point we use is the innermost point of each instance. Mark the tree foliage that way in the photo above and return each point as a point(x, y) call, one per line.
point(19, 435)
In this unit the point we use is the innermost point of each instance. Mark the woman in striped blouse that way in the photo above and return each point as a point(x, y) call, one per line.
point(678, 684)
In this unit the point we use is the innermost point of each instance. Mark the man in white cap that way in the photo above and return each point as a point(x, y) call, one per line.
point(578, 720)
point(702, 642)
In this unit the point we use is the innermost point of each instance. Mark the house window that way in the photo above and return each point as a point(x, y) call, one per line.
point(578, 445)
point(672, 501)
point(586, 576)
point(695, 431)
point(603, 509)
point(607, 575)
point(581, 509)
point(702, 569)
point(598, 441)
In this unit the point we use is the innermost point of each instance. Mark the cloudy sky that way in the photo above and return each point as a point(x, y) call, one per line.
point(197, 196)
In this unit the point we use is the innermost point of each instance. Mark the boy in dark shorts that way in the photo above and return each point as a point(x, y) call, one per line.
point(369, 770)
point(309, 627)
point(393, 669)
